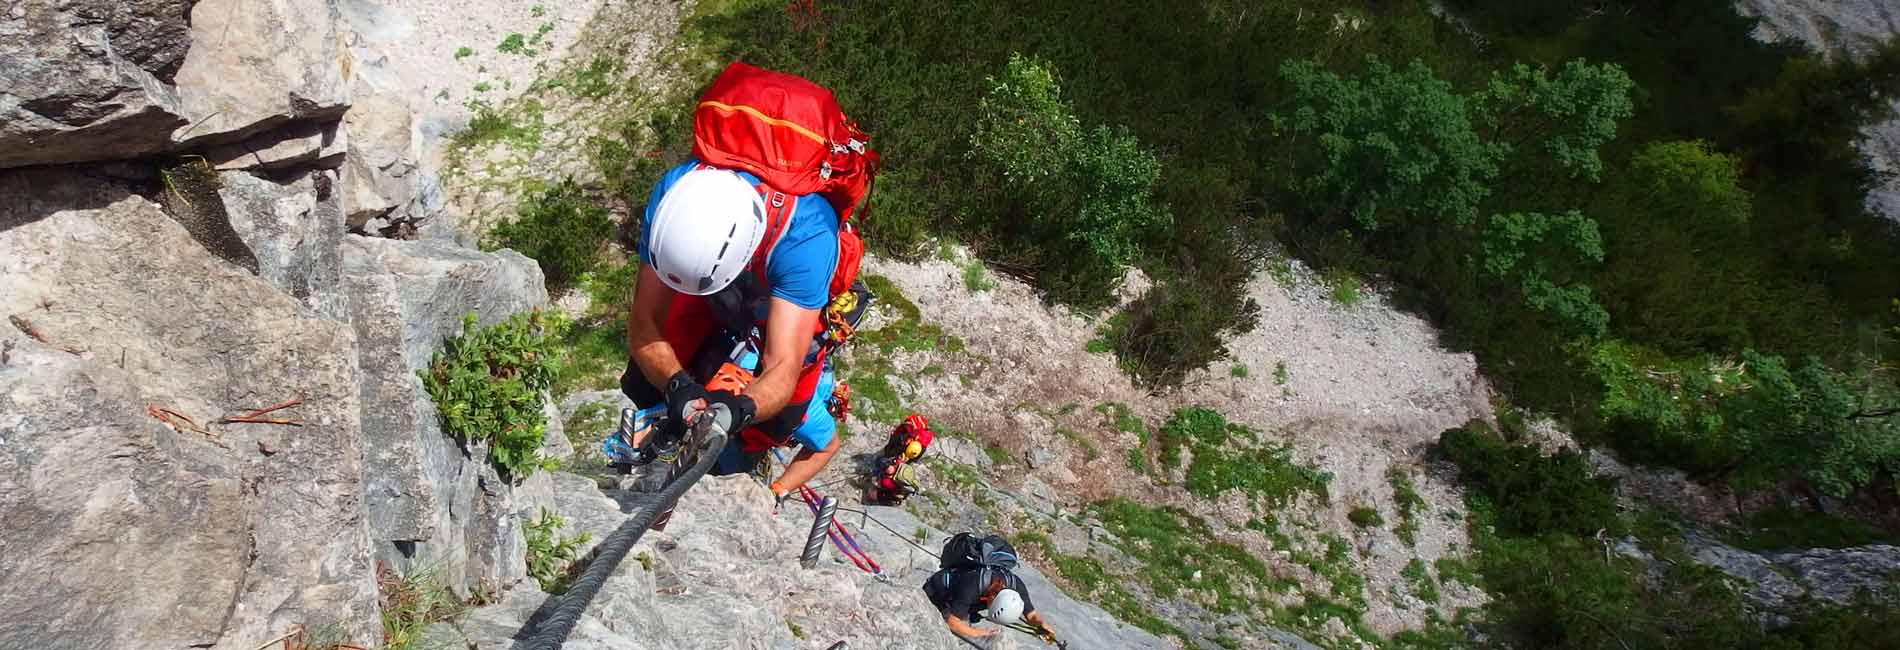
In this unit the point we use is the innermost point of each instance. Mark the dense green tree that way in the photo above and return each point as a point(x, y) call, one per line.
point(1388, 145)
point(1535, 254)
point(1557, 122)
point(1667, 221)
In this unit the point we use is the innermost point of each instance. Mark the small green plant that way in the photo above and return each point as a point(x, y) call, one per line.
point(1342, 286)
point(1460, 570)
point(515, 43)
point(1421, 582)
point(1089, 450)
point(1280, 375)
point(538, 11)
point(1365, 517)
point(563, 230)
point(1282, 273)
point(464, 52)
point(646, 561)
point(411, 603)
point(997, 455)
point(1238, 371)
point(483, 86)
point(976, 279)
point(797, 632)
point(550, 555)
point(487, 384)
point(1409, 503)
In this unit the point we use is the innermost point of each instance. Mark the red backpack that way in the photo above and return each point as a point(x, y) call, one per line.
point(791, 134)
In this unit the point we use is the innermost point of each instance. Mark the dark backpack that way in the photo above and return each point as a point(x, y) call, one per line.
point(967, 551)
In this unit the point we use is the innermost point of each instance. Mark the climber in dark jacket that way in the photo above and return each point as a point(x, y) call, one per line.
point(968, 595)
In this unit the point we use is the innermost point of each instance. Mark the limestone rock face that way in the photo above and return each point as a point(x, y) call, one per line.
point(295, 229)
point(88, 79)
point(725, 574)
point(1782, 581)
point(428, 499)
point(135, 518)
point(258, 64)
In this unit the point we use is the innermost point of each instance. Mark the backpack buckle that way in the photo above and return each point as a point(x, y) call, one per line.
point(824, 170)
point(855, 146)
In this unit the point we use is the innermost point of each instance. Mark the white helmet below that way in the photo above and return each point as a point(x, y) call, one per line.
point(705, 230)
point(1007, 607)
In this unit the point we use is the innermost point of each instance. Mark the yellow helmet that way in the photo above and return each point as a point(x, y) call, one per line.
point(913, 450)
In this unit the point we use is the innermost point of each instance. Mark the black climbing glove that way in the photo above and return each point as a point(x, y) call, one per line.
point(631, 381)
point(731, 411)
point(681, 391)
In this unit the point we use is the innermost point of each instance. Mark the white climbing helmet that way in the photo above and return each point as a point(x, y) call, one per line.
point(1007, 607)
point(705, 230)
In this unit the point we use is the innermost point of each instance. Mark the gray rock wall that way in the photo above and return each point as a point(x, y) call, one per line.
point(225, 283)
point(429, 501)
point(89, 79)
point(122, 530)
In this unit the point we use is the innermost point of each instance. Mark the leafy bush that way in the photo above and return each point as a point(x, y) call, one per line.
point(1365, 517)
point(561, 229)
point(1529, 492)
point(487, 386)
point(1391, 145)
point(551, 556)
point(1753, 420)
point(1091, 188)
point(1179, 327)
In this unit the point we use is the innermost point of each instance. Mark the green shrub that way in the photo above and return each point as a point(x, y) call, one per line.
point(1172, 545)
point(487, 386)
point(561, 229)
point(1530, 493)
point(1421, 582)
point(1365, 517)
point(1179, 327)
point(1784, 528)
point(550, 555)
point(1091, 189)
point(974, 279)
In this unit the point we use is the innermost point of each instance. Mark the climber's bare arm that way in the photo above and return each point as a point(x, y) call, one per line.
point(646, 318)
point(964, 629)
point(807, 464)
point(788, 333)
